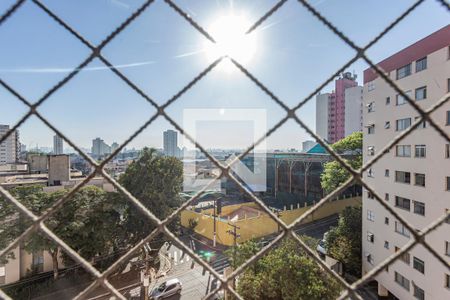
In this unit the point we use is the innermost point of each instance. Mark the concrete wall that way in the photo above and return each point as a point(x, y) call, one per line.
point(58, 169)
point(38, 163)
point(258, 226)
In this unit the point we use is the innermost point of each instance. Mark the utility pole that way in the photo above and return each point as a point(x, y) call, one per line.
point(214, 214)
point(217, 210)
point(235, 236)
point(278, 212)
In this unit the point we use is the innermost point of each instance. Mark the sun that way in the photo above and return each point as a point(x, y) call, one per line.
point(231, 38)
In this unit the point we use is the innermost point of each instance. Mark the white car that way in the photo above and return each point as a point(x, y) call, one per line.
point(321, 248)
point(166, 289)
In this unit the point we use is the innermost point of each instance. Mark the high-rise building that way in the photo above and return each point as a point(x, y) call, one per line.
point(170, 141)
point(10, 148)
point(353, 110)
point(57, 145)
point(100, 148)
point(114, 146)
point(414, 177)
point(322, 115)
point(339, 112)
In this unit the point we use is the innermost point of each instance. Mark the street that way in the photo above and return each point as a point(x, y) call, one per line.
point(196, 283)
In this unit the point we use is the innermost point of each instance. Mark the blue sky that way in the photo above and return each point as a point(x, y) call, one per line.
point(161, 53)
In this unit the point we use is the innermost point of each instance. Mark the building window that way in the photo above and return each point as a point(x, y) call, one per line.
point(38, 262)
point(402, 281)
point(370, 215)
point(370, 195)
point(403, 124)
point(404, 71)
point(370, 237)
point(370, 107)
point(371, 129)
point(388, 99)
point(447, 151)
point(421, 64)
point(447, 188)
point(387, 125)
point(448, 117)
point(405, 257)
point(420, 151)
point(447, 248)
point(421, 93)
point(371, 150)
point(403, 177)
point(447, 281)
point(419, 265)
point(419, 208)
point(386, 220)
point(403, 150)
point(386, 173)
point(418, 292)
point(386, 196)
point(448, 85)
point(386, 244)
point(370, 86)
point(419, 179)
point(403, 203)
point(422, 124)
point(370, 173)
point(400, 228)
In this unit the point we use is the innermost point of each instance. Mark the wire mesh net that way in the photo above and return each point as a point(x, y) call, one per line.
point(349, 290)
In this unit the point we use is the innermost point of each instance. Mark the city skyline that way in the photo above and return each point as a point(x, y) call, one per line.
point(180, 47)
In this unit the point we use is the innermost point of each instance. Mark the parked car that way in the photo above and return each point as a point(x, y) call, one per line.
point(166, 289)
point(321, 249)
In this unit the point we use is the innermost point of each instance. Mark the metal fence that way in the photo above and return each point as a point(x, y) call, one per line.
point(349, 290)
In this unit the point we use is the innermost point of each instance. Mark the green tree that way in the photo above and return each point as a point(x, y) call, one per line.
point(334, 174)
point(284, 273)
point(156, 181)
point(87, 222)
point(344, 241)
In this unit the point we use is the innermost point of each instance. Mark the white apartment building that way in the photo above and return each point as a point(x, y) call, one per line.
point(353, 109)
point(10, 148)
point(414, 177)
point(322, 115)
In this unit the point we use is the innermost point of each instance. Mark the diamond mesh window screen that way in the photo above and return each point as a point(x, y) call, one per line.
point(350, 290)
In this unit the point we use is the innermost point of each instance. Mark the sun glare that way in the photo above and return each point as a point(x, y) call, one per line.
point(231, 40)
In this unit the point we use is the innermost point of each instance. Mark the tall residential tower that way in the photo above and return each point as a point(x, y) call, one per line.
point(339, 113)
point(414, 177)
point(170, 139)
point(57, 145)
point(10, 148)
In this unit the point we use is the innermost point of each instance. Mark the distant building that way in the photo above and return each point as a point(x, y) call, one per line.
point(23, 148)
point(322, 115)
point(10, 148)
point(306, 145)
point(114, 146)
point(170, 139)
point(353, 110)
point(100, 148)
point(57, 145)
point(335, 114)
